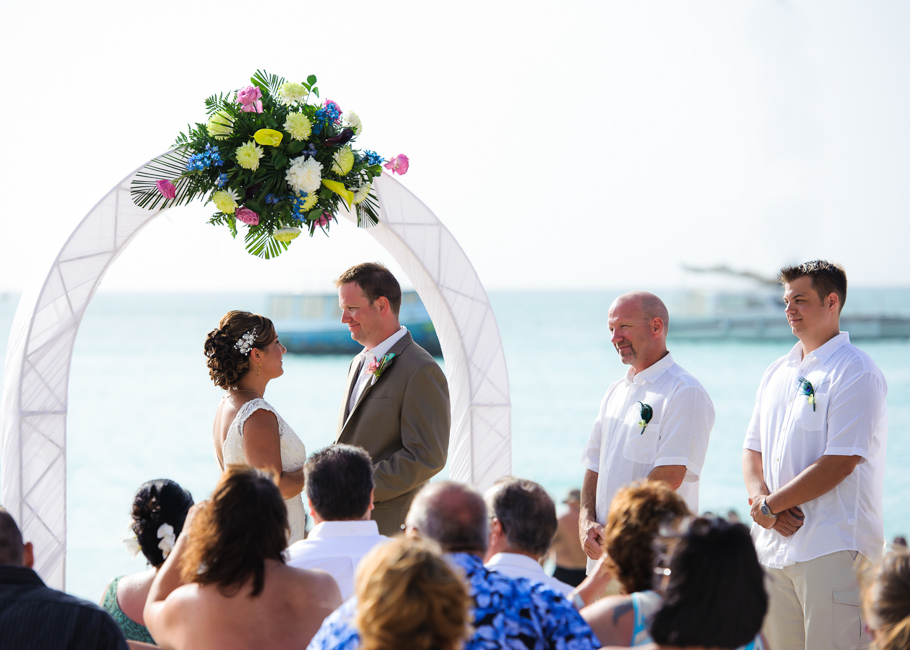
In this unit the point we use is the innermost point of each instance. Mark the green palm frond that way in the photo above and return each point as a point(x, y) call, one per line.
point(368, 212)
point(259, 242)
point(170, 166)
point(265, 80)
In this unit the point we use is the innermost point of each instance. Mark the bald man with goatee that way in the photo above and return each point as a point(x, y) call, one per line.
point(653, 423)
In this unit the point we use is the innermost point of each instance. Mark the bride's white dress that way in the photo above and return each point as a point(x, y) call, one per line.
point(293, 456)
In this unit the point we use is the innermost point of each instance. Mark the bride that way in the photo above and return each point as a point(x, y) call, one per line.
point(243, 354)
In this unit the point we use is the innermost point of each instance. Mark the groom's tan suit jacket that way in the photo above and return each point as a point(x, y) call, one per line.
point(403, 421)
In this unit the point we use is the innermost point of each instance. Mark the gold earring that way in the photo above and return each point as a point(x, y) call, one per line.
point(260, 369)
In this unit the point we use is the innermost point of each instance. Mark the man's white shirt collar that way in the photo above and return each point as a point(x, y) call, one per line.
point(358, 528)
point(382, 349)
point(652, 373)
point(822, 354)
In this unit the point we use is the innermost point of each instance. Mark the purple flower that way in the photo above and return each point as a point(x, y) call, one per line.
point(250, 99)
point(398, 164)
point(166, 189)
point(247, 216)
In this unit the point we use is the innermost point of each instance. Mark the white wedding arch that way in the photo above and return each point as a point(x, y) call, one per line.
point(34, 404)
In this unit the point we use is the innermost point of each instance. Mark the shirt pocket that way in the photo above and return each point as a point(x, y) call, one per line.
point(641, 446)
point(811, 416)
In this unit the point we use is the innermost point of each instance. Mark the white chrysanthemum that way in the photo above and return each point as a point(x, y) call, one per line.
point(248, 155)
point(292, 92)
point(343, 160)
point(220, 125)
point(298, 125)
point(225, 201)
point(304, 174)
point(362, 192)
point(352, 120)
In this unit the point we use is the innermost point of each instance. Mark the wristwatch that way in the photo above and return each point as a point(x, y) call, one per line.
point(765, 510)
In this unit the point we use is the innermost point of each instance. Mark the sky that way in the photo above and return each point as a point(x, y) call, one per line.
point(572, 145)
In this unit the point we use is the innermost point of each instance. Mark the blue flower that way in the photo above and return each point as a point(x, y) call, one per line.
point(372, 158)
point(222, 179)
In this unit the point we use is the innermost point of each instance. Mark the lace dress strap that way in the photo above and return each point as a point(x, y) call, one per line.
point(245, 411)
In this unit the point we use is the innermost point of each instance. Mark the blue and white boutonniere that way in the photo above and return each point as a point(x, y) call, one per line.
point(805, 388)
point(646, 414)
point(376, 368)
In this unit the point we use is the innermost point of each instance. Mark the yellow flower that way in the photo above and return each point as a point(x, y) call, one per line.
point(343, 160)
point(225, 201)
point(269, 137)
point(286, 234)
point(298, 125)
point(340, 190)
point(220, 125)
point(309, 202)
point(248, 156)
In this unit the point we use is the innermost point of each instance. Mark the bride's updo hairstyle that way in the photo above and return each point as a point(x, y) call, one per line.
point(157, 503)
point(226, 362)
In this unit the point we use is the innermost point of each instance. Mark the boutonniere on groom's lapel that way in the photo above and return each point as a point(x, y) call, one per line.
point(376, 368)
point(646, 414)
point(805, 388)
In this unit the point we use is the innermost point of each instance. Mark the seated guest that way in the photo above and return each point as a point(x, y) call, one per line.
point(159, 509)
point(339, 488)
point(508, 612)
point(522, 525)
point(567, 553)
point(713, 591)
point(225, 585)
point(408, 596)
point(634, 520)
point(33, 615)
point(886, 602)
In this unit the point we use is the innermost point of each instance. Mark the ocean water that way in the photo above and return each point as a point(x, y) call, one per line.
point(141, 403)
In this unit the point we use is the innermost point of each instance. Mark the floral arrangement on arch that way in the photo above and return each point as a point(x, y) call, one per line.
point(271, 159)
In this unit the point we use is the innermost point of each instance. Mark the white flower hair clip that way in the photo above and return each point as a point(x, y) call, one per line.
point(168, 539)
point(132, 542)
point(245, 343)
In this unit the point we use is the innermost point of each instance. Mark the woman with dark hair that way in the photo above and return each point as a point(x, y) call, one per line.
point(886, 602)
point(243, 354)
point(636, 514)
point(226, 584)
point(713, 593)
point(159, 510)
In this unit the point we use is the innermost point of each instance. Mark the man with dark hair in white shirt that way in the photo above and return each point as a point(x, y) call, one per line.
point(339, 489)
point(654, 423)
point(813, 465)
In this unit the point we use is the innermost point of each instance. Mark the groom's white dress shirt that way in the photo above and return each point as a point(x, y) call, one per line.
point(336, 547)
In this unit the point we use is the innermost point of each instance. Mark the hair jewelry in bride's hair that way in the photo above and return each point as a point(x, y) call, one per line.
point(246, 342)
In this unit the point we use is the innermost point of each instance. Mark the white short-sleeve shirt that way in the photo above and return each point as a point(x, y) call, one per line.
point(621, 451)
point(336, 547)
point(849, 418)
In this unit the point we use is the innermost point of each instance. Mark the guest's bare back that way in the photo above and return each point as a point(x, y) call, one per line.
point(286, 615)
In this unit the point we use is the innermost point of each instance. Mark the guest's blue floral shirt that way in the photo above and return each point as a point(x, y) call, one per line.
point(508, 613)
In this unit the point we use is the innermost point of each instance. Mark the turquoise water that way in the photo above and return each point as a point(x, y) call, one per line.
point(141, 403)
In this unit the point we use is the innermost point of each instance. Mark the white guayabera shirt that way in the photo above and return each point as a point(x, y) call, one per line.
point(849, 418)
point(621, 451)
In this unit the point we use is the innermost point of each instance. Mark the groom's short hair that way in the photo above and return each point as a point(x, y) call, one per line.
point(374, 280)
point(339, 481)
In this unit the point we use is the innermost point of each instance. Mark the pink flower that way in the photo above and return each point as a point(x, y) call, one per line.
point(372, 367)
point(324, 220)
point(398, 164)
point(166, 189)
point(251, 99)
point(247, 216)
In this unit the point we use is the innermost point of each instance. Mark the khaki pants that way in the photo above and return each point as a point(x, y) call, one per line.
point(815, 605)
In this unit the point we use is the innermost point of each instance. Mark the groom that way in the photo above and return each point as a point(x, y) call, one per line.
point(396, 405)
